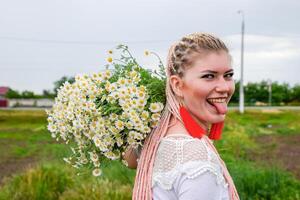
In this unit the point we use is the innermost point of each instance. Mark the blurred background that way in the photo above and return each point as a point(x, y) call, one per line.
point(45, 43)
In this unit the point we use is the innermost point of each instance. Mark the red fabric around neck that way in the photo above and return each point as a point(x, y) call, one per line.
point(216, 131)
point(195, 130)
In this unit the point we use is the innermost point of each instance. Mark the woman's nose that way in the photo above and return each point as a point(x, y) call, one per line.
point(222, 86)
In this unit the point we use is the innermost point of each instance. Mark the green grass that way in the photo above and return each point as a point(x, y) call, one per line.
point(256, 122)
point(262, 182)
point(57, 181)
point(40, 183)
point(23, 135)
point(27, 136)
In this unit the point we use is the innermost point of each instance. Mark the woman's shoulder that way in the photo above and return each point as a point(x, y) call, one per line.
point(181, 148)
point(177, 136)
point(180, 137)
point(182, 154)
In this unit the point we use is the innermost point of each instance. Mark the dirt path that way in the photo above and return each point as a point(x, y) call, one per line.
point(281, 150)
point(12, 166)
point(9, 164)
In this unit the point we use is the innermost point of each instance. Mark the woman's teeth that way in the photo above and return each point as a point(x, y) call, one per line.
point(217, 100)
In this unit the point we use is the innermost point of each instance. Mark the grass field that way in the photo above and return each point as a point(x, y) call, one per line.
point(260, 149)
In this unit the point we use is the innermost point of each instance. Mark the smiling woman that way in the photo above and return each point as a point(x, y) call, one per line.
point(179, 160)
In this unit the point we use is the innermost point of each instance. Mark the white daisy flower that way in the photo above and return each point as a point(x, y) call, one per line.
point(97, 172)
point(129, 125)
point(144, 115)
point(156, 107)
point(125, 163)
point(119, 125)
point(155, 116)
point(94, 157)
point(113, 116)
point(96, 163)
point(121, 82)
point(146, 129)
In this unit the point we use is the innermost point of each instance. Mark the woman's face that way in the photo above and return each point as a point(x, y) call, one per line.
point(206, 87)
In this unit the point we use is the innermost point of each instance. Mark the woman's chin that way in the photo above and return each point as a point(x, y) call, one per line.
point(217, 118)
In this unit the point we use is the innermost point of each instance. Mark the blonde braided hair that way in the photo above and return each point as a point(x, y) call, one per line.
point(196, 44)
point(180, 56)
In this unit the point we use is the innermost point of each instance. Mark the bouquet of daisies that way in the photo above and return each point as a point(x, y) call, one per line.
point(103, 114)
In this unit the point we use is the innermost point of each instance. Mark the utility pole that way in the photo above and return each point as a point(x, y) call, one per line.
point(270, 91)
point(241, 99)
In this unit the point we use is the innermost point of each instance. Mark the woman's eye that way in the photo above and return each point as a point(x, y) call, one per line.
point(209, 76)
point(230, 75)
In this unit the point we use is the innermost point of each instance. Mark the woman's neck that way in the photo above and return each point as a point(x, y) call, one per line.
point(178, 127)
point(204, 125)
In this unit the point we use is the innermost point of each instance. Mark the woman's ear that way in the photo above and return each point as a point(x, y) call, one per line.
point(177, 85)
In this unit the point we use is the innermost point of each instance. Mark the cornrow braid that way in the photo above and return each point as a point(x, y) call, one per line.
point(181, 53)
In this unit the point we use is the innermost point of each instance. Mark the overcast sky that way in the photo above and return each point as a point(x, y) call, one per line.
point(41, 41)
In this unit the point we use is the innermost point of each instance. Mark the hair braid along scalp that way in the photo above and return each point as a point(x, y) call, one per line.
point(179, 57)
point(196, 44)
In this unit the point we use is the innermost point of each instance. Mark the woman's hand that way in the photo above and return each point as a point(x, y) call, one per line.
point(131, 158)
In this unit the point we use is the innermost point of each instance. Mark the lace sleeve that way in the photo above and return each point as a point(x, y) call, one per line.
point(184, 155)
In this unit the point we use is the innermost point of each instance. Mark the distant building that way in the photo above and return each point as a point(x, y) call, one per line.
point(13, 102)
point(3, 100)
point(42, 103)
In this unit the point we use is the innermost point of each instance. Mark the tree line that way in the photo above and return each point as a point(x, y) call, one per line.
point(14, 94)
point(254, 92)
point(279, 94)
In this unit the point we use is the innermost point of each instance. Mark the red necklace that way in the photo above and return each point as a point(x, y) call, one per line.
point(195, 130)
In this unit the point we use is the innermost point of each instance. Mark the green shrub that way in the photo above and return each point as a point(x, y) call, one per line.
point(100, 190)
point(117, 171)
point(235, 142)
point(44, 182)
point(60, 181)
point(263, 183)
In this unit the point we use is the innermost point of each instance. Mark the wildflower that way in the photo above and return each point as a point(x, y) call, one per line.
point(110, 51)
point(67, 160)
point(96, 163)
point(119, 125)
point(94, 157)
point(129, 125)
point(113, 116)
point(133, 74)
point(97, 172)
point(156, 107)
point(144, 115)
point(107, 74)
point(141, 94)
point(122, 82)
point(125, 163)
point(146, 129)
point(95, 75)
point(155, 116)
point(109, 59)
point(142, 88)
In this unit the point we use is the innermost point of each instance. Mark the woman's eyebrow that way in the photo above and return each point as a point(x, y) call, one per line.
point(231, 70)
point(209, 71)
point(214, 72)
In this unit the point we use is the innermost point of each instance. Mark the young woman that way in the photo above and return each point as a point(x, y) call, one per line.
point(179, 160)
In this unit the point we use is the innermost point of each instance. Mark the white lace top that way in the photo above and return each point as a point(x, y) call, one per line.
point(186, 168)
